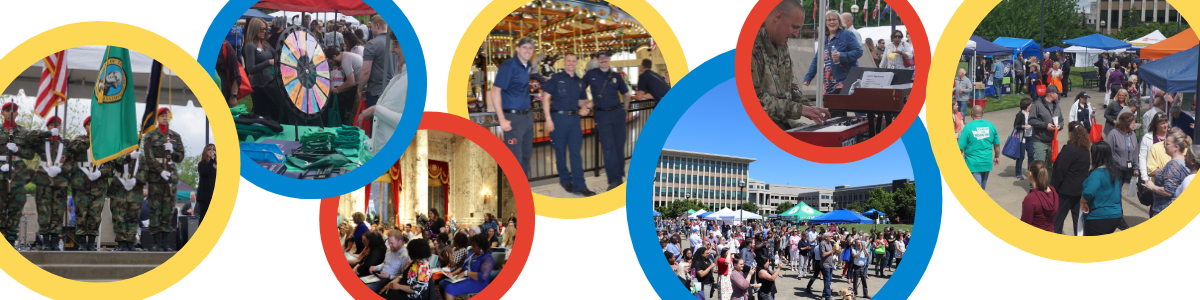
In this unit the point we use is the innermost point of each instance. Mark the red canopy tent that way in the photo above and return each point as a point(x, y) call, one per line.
point(1181, 41)
point(345, 7)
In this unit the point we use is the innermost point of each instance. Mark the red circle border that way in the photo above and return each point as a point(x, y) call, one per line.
point(821, 154)
point(521, 191)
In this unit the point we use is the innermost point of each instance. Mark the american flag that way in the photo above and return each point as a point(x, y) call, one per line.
point(53, 87)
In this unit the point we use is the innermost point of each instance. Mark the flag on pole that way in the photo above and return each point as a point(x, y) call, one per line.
point(875, 14)
point(114, 113)
point(52, 90)
point(150, 112)
point(887, 9)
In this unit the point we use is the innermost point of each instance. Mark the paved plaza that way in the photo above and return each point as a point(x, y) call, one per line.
point(790, 285)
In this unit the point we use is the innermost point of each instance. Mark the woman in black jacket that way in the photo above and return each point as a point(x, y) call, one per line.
point(376, 252)
point(260, 63)
point(1071, 167)
point(208, 177)
point(1021, 125)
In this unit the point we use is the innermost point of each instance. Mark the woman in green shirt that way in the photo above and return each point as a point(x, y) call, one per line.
point(1102, 193)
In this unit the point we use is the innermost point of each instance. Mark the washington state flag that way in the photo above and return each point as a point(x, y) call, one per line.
point(114, 113)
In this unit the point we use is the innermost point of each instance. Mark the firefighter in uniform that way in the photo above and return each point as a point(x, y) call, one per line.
point(609, 93)
point(50, 181)
point(13, 173)
point(162, 149)
point(88, 184)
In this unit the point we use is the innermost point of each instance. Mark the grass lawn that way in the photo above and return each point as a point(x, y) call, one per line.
point(1014, 100)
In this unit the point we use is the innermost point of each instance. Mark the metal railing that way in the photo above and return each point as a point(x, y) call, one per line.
point(542, 161)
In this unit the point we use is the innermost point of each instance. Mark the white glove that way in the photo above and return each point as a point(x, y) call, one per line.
point(135, 154)
point(4, 168)
point(129, 183)
point(166, 175)
point(53, 171)
point(168, 146)
point(54, 131)
point(92, 175)
point(12, 147)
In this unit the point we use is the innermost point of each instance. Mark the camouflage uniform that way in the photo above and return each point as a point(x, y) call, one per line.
point(771, 71)
point(12, 183)
point(50, 192)
point(126, 205)
point(89, 195)
point(156, 159)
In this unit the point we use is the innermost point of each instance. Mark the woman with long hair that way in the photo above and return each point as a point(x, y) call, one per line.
point(1041, 204)
point(207, 169)
point(1102, 193)
point(510, 236)
point(1124, 143)
point(1055, 76)
point(841, 53)
point(1156, 133)
point(260, 66)
point(373, 255)
point(352, 43)
point(875, 52)
point(1070, 169)
point(435, 224)
point(1113, 111)
point(1167, 180)
point(1035, 79)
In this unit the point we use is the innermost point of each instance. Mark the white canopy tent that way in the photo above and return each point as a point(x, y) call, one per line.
point(294, 18)
point(698, 213)
point(83, 65)
point(717, 215)
point(1149, 39)
point(1086, 56)
point(741, 215)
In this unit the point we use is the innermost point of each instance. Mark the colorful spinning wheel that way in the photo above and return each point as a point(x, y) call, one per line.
point(304, 71)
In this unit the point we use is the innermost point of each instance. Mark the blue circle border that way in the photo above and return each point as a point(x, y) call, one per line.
point(414, 57)
point(700, 81)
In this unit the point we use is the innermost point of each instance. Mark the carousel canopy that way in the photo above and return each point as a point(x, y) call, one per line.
point(566, 27)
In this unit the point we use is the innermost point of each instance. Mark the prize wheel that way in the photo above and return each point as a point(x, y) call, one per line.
point(304, 71)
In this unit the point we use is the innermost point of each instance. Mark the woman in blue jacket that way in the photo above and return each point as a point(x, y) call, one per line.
point(841, 53)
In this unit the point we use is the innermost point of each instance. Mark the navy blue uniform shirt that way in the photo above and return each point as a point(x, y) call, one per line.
point(512, 77)
point(610, 96)
point(565, 91)
point(653, 84)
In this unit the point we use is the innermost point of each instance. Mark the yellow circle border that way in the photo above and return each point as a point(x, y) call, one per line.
point(494, 12)
point(989, 214)
point(183, 64)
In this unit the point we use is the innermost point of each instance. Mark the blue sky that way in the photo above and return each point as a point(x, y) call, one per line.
point(718, 124)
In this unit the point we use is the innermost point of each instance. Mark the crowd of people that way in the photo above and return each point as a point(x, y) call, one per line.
point(368, 74)
point(436, 256)
point(1142, 152)
point(745, 260)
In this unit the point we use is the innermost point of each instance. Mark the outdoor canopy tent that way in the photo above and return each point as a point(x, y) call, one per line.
point(1149, 39)
point(254, 13)
point(872, 211)
point(1179, 42)
point(1098, 41)
point(800, 212)
point(1174, 73)
point(1023, 46)
point(348, 7)
point(841, 216)
point(657, 214)
point(717, 215)
point(1054, 49)
point(741, 215)
point(984, 47)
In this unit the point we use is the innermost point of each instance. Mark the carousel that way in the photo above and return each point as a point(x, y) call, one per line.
point(559, 28)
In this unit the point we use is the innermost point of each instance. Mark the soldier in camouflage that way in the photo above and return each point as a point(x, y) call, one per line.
point(14, 174)
point(125, 198)
point(771, 69)
point(50, 188)
point(161, 154)
point(89, 184)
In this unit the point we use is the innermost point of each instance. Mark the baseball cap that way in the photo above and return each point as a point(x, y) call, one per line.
point(1083, 95)
point(603, 53)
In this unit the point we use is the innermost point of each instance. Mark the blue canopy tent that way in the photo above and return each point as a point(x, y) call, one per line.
point(841, 216)
point(657, 214)
point(984, 47)
point(1054, 49)
point(1098, 41)
point(254, 13)
point(1174, 73)
point(1020, 46)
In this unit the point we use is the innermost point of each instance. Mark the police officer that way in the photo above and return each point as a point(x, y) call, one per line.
point(161, 154)
point(512, 88)
point(771, 68)
point(50, 187)
point(564, 100)
point(13, 173)
point(125, 196)
point(88, 184)
point(651, 85)
point(608, 93)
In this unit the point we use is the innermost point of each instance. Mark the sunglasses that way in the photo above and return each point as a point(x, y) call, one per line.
point(897, 37)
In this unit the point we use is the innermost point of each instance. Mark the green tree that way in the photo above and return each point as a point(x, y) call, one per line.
point(1022, 19)
point(679, 207)
point(880, 200)
point(750, 207)
point(1133, 28)
point(855, 206)
point(784, 206)
point(905, 203)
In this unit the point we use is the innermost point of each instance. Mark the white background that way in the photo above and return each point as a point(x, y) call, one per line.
point(576, 259)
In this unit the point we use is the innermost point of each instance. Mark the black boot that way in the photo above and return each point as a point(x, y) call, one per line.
point(87, 243)
point(168, 244)
point(45, 242)
point(91, 241)
point(149, 243)
point(53, 242)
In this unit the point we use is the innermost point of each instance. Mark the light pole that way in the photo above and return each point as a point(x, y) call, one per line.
point(743, 185)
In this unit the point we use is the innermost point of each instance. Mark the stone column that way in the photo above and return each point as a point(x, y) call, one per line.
point(421, 187)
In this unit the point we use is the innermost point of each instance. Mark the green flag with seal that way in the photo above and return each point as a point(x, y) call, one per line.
point(114, 112)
